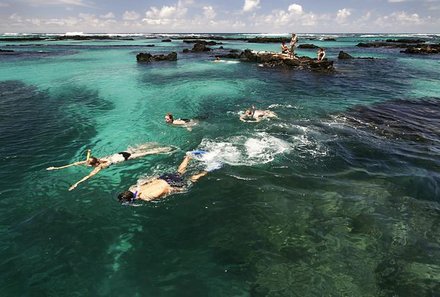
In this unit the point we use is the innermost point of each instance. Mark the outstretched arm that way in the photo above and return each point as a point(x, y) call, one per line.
point(184, 164)
point(94, 172)
point(65, 166)
point(197, 176)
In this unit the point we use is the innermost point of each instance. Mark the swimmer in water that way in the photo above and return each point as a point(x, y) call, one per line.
point(162, 186)
point(102, 163)
point(185, 123)
point(256, 115)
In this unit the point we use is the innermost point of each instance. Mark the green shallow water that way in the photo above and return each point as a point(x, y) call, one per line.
point(325, 200)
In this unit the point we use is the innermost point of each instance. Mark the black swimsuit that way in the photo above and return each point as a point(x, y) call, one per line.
point(173, 179)
point(125, 155)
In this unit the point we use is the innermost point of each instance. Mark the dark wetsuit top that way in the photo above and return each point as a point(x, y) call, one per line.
point(125, 155)
point(173, 179)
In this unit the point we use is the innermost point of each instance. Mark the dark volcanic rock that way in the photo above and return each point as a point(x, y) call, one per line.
point(84, 37)
point(147, 57)
point(150, 45)
point(406, 40)
point(419, 48)
point(329, 39)
point(344, 56)
point(166, 40)
point(268, 59)
point(200, 47)
point(388, 44)
point(373, 44)
point(424, 49)
point(268, 40)
point(308, 46)
point(185, 50)
point(22, 39)
point(201, 41)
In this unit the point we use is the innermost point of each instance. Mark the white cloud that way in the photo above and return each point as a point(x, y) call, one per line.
point(15, 17)
point(342, 15)
point(398, 18)
point(250, 5)
point(209, 12)
point(403, 17)
point(295, 8)
point(166, 14)
point(291, 19)
point(4, 4)
point(108, 15)
point(130, 16)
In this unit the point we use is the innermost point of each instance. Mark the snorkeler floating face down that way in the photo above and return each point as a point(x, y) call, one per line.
point(102, 163)
point(163, 185)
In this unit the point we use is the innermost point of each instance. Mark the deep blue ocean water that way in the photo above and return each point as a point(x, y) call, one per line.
point(339, 196)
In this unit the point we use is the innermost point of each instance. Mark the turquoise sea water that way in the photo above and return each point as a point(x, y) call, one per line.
point(339, 196)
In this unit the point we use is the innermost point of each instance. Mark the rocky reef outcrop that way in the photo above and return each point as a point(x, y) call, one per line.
point(147, 57)
point(346, 56)
point(201, 41)
point(271, 59)
point(198, 47)
point(424, 49)
point(268, 40)
point(308, 46)
point(410, 46)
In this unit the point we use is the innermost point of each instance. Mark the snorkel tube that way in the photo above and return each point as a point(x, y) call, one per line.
point(89, 152)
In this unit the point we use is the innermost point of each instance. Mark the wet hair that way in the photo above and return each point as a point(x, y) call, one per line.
point(170, 116)
point(126, 196)
point(93, 161)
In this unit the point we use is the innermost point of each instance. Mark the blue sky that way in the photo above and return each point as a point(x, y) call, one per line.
point(265, 16)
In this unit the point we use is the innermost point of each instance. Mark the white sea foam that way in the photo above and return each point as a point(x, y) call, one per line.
point(74, 33)
point(260, 148)
point(281, 106)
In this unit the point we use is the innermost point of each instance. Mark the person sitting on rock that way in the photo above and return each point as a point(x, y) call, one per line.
point(256, 115)
point(162, 186)
point(102, 163)
point(321, 54)
point(284, 48)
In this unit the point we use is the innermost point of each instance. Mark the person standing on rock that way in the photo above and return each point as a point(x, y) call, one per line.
point(293, 43)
